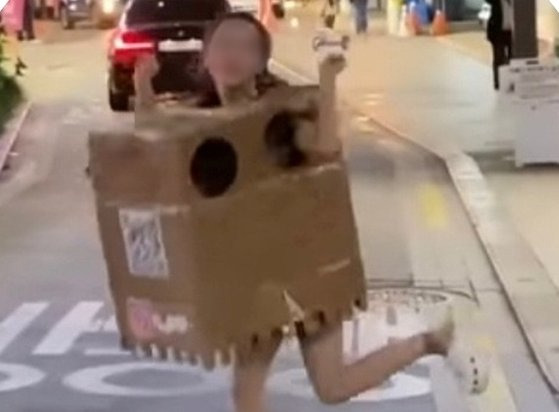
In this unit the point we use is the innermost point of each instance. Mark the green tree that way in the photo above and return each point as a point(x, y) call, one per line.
point(10, 92)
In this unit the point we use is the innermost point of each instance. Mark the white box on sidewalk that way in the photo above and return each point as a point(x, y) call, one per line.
point(531, 87)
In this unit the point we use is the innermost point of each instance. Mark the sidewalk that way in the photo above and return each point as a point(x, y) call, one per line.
point(531, 195)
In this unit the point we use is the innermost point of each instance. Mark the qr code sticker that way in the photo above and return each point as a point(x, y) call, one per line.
point(143, 240)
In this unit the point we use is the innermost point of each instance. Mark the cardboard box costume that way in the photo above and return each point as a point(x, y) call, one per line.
point(217, 230)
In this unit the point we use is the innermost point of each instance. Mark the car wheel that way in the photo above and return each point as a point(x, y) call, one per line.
point(65, 19)
point(279, 11)
point(118, 101)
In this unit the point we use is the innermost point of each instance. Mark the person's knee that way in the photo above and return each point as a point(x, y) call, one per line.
point(330, 392)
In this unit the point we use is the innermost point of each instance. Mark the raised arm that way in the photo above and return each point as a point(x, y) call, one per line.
point(331, 63)
point(146, 68)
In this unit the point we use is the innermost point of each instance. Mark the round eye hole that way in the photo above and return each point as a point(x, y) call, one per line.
point(214, 167)
point(281, 141)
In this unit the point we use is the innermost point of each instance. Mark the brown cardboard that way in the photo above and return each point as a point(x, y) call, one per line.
point(214, 273)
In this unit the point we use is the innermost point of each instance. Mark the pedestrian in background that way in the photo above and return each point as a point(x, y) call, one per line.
point(499, 34)
point(329, 12)
point(28, 31)
point(361, 10)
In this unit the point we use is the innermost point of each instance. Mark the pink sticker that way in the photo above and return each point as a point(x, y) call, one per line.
point(141, 319)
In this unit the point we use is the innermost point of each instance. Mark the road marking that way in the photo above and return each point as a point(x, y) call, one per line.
point(109, 351)
point(294, 382)
point(19, 377)
point(433, 206)
point(368, 332)
point(79, 321)
point(18, 321)
point(95, 380)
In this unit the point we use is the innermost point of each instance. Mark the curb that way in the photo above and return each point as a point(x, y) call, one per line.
point(12, 132)
point(527, 287)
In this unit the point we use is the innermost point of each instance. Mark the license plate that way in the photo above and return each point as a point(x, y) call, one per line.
point(180, 45)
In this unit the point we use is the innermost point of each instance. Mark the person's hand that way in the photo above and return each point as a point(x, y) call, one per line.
point(147, 66)
point(331, 48)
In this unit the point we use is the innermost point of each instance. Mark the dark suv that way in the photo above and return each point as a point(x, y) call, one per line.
point(172, 30)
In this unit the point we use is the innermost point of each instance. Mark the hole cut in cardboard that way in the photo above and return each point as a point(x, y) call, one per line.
point(214, 167)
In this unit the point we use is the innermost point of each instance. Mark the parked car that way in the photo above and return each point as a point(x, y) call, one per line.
point(173, 31)
point(484, 15)
point(104, 13)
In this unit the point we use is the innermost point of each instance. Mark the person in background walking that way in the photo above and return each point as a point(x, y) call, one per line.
point(29, 19)
point(28, 31)
point(361, 15)
point(499, 34)
point(329, 12)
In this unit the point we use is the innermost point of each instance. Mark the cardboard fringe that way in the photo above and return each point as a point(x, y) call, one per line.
point(223, 357)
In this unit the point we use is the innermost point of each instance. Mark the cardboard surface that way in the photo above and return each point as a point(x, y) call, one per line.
point(210, 226)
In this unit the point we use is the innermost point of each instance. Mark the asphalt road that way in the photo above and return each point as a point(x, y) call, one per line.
point(58, 341)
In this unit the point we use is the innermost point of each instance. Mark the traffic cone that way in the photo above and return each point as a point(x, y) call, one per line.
point(403, 29)
point(440, 24)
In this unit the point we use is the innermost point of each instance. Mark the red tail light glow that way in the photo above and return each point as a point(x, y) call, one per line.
point(127, 46)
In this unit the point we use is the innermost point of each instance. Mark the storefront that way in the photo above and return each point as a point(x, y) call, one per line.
point(456, 10)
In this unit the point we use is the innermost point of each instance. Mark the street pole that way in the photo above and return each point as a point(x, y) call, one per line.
point(525, 38)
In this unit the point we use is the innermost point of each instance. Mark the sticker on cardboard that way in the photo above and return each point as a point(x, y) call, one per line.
point(143, 241)
point(146, 323)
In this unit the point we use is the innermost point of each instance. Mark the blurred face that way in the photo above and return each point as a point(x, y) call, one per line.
point(234, 55)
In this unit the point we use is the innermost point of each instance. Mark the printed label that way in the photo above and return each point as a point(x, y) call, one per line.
point(143, 240)
point(146, 323)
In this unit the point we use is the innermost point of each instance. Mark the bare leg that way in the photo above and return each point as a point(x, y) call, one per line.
point(250, 373)
point(335, 382)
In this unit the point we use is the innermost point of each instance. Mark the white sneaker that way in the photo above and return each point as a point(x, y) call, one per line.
point(471, 367)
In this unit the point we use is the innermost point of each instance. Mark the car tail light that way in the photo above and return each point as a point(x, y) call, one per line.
point(127, 46)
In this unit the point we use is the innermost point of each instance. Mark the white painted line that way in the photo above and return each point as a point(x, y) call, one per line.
point(294, 382)
point(111, 325)
point(15, 377)
point(448, 397)
point(96, 380)
point(67, 331)
point(106, 352)
point(18, 321)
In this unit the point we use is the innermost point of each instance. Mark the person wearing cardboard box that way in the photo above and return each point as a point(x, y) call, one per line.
point(236, 52)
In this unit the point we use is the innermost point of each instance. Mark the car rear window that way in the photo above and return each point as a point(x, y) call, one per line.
point(166, 11)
